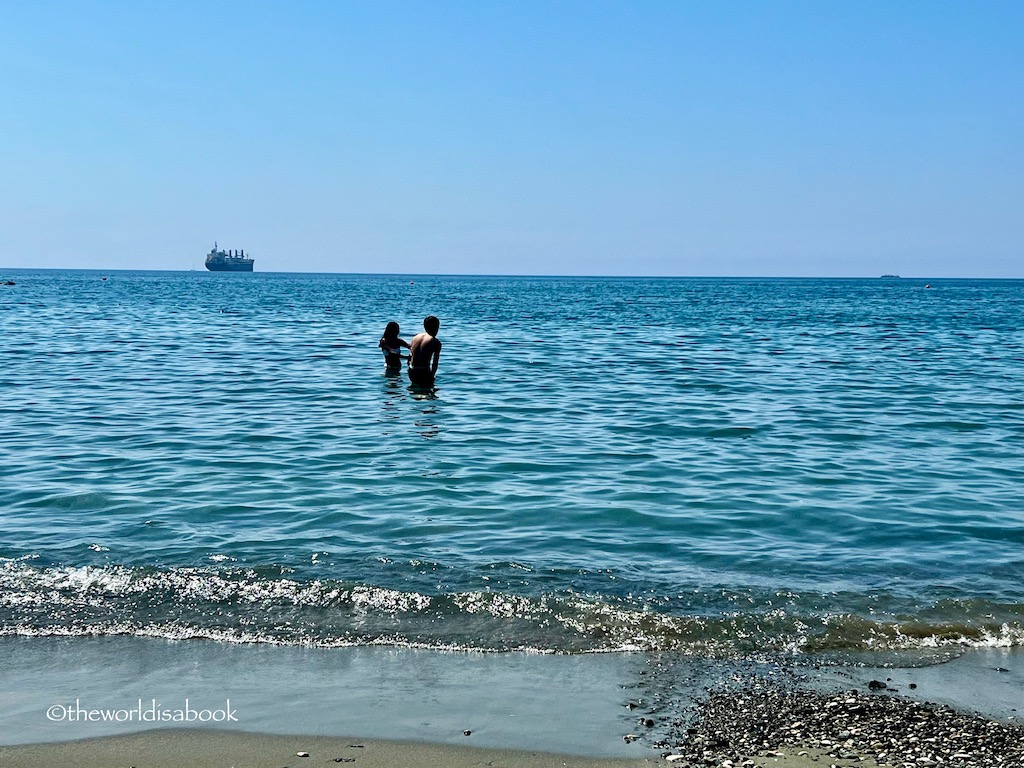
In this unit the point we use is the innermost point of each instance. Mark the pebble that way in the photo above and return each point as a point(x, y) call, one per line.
point(751, 717)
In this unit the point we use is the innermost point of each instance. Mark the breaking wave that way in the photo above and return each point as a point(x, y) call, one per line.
point(250, 605)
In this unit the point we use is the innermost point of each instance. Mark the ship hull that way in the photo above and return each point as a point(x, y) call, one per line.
point(214, 266)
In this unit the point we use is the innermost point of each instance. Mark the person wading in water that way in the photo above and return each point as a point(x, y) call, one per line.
point(424, 351)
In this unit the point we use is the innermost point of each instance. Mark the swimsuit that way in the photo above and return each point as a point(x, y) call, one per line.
point(423, 377)
point(392, 355)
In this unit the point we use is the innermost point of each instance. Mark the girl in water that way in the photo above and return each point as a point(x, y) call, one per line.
point(391, 346)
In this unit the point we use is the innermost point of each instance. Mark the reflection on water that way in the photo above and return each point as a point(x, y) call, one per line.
point(423, 393)
point(390, 404)
point(427, 424)
point(397, 392)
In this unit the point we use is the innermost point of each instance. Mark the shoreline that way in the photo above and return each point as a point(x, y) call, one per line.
point(760, 723)
point(438, 708)
point(504, 700)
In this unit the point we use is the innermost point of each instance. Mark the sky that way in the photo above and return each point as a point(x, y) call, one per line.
point(672, 138)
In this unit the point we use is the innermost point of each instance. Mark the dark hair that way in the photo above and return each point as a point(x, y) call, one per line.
point(391, 331)
point(431, 324)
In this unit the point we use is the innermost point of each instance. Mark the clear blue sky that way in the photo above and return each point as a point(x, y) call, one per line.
point(637, 138)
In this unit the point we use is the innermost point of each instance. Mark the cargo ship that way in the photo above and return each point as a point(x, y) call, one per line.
point(228, 261)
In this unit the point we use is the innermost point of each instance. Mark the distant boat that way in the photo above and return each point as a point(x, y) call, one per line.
point(228, 261)
point(891, 277)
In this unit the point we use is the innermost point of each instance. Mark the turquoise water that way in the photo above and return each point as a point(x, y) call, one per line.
point(715, 466)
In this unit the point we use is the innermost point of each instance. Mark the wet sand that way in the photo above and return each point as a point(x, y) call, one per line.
point(426, 708)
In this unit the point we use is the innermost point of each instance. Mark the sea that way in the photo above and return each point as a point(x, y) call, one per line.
point(817, 469)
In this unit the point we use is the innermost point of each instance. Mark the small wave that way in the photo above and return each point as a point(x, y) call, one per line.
point(952, 426)
point(245, 605)
point(732, 432)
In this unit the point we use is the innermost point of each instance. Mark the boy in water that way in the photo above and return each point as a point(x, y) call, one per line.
point(424, 351)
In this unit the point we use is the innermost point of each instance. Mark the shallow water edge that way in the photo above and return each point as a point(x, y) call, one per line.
point(572, 704)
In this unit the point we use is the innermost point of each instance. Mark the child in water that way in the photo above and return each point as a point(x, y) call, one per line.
point(391, 346)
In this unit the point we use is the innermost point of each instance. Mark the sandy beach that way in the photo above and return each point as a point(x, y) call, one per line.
point(392, 707)
point(177, 748)
point(220, 749)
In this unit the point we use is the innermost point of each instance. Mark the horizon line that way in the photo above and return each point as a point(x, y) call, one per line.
point(893, 277)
